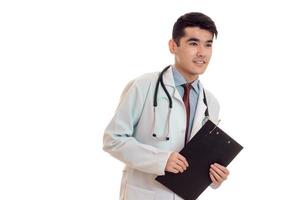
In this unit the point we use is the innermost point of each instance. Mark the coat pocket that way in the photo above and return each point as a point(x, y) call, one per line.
point(135, 193)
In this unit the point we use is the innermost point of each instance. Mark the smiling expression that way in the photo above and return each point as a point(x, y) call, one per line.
point(193, 53)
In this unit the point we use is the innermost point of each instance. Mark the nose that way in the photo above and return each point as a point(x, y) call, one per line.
point(201, 51)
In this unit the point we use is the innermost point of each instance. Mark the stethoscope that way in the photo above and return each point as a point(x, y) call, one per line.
point(161, 82)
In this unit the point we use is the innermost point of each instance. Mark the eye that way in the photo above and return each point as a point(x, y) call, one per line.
point(193, 43)
point(209, 45)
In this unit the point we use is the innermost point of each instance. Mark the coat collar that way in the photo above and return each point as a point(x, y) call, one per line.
point(168, 77)
point(199, 114)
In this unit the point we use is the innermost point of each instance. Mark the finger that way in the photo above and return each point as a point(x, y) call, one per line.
point(180, 163)
point(216, 175)
point(173, 170)
point(219, 172)
point(170, 168)
point(212, 178)
point(224, 169)
point(178, 167)
point(180, 157)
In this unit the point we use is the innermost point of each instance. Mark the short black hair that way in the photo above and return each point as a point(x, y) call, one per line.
point(193, 19)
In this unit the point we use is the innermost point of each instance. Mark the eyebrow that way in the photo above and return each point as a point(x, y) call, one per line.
point(197, 40)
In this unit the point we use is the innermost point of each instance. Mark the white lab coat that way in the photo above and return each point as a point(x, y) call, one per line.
point(128, 137)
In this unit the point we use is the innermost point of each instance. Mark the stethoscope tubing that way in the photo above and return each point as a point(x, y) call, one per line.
point(161, 82)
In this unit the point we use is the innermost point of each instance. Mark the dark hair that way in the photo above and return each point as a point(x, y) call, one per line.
point(193, 19)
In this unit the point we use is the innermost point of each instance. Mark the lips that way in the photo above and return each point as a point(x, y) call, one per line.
point(199, 61)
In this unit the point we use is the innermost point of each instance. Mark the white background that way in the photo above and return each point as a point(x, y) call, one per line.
point(64, 65)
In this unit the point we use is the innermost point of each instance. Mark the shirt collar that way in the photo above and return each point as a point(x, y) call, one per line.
point(180, 80)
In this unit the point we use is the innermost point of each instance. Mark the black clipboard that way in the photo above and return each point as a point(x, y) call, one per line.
point(209, 145)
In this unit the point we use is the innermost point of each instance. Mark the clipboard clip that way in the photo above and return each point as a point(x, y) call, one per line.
point(215, 127)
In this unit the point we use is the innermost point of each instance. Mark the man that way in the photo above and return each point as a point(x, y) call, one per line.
point(147, 132)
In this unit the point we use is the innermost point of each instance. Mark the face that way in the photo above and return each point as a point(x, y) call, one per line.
point(193, 53)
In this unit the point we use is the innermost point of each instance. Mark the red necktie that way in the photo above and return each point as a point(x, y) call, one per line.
point(186, 101)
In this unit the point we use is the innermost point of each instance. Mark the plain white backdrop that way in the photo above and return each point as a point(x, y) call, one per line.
point(63, 65)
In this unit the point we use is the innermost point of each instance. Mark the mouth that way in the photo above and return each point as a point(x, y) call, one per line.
point(199, 62)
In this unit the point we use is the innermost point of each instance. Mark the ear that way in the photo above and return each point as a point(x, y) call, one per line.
point(172, 46)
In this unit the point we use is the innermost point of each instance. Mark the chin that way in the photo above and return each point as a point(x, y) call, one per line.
point(200, 71)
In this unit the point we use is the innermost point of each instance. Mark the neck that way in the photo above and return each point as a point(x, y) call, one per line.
point(188, 77)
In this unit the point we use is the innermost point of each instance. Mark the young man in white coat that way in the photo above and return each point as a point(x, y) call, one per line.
point(148, 137)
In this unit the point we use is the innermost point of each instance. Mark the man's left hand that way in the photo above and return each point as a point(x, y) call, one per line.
point(218, 174)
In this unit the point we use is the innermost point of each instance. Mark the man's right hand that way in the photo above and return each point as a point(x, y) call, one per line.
point(176, 163)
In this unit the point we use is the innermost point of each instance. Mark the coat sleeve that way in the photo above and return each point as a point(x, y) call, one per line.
point(119, 140)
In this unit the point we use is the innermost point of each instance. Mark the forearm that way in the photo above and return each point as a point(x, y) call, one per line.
point(140, 156)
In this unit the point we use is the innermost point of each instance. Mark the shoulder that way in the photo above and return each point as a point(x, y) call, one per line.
point(144, 80)
point(141, 84)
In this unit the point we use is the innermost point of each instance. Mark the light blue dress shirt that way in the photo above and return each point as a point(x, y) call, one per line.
point(179, 80)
